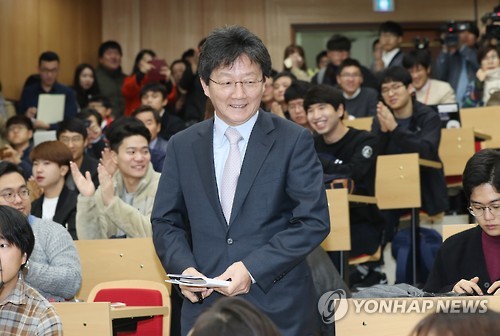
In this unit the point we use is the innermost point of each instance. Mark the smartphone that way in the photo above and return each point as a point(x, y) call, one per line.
point(154, 74)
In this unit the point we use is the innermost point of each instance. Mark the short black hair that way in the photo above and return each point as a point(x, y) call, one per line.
point(125, 127)
point(324, 94)
point(7, 167)
point(87, 112)
point(186, 54)
point(483, 167)
point(391, 27)
point(20, 120)
point(101, 99)
point(16, 230)
point(147, 108)
point(338, 43)
point(154, 87)
point(48, 56)
point(417, 57)
point(319, 56)
point(297, 90)
point(224, 45)
point(284, 74)
point(109, 45)
point(395, 74)
point(349, 62)
point(72, 125)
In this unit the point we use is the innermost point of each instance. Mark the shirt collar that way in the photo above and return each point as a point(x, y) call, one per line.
point(244, 129)
point(388, 56)
point(16, 296)
point(354, 95)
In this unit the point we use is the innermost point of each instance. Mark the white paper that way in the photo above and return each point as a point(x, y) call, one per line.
point(41, 136)
point(195, 281)
point(50, 107)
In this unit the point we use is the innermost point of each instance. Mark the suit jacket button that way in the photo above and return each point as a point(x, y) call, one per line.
point(229, 241)
point(486, 284)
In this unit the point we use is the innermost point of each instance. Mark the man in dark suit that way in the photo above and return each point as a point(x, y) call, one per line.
point(279, 212)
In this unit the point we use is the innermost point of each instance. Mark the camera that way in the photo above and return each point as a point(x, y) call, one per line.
point(492, 22)
point(452, 29)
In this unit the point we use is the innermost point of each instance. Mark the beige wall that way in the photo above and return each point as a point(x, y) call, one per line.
point(74, 28)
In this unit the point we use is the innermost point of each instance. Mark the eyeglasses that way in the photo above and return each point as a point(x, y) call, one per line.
point(10, 196)
point(477, 210)
point(67, 140)
point(393, 88)
point(246, 84)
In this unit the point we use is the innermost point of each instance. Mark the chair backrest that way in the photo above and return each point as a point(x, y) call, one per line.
point(364, 123)
point(84, 318)
point(456, 147)
point(137, 293)
point(117, 259)
point(485, 120)
point(452, 229)
point(339, 238)
point(397, 181)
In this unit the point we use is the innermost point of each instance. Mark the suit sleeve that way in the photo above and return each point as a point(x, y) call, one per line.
point(169, 218)
point(309, 223)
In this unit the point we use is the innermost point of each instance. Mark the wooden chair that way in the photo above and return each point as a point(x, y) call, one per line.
point(485, 120)
point(82, 318)
point(339, 238)
point(364, 123)
point(118, 259)
point(452, 229)
point(456, 148)
point(137, 293)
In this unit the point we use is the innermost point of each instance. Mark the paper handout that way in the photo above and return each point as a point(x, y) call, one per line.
point(196, 281)
point(50, 108)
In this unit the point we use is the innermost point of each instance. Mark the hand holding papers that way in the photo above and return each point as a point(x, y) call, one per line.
point(196, 281)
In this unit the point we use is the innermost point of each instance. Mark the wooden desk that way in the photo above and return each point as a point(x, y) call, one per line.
point(96, 318)
point(377, 322)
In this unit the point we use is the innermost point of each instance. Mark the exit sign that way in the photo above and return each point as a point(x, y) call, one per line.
point(383, 5)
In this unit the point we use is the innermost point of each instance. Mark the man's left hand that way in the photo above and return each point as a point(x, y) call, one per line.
point(240, 280)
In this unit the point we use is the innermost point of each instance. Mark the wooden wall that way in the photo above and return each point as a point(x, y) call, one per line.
point(74, 28)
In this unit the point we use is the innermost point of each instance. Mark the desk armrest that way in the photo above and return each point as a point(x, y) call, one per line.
point(362, 199)
point(430, 163)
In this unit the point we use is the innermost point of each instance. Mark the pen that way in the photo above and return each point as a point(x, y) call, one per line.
point(200, 297)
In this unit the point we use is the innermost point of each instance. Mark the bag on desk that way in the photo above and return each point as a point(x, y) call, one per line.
point(430, 241)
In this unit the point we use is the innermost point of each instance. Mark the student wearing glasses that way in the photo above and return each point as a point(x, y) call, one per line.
point(468, 261)
point(404, 125)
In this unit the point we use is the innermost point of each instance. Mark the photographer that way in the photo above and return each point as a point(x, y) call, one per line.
point(457, 63)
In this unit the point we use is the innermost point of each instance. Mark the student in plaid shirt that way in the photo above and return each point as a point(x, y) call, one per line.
point(23, 311)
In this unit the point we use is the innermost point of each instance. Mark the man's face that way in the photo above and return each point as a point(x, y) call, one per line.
point(94, 130)
point(324, 119)
point(111, 59)
point(154, 99)
point(396, 95)
point(337, 56)
point(47, 173)
point(279, 87)
point(419, 76)
point(48, 72)
point(75, 142)
point(389, 41)
point(323, 62)
point(236, 103)
point(482, 196)
point(13, 184)
point(133, 157)
point(149, 121)
point(297, 112)
point(18, 134)
point(350, 79)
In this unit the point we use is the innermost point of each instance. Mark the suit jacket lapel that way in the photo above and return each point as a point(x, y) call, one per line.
point(259, 144)
point(204, 156)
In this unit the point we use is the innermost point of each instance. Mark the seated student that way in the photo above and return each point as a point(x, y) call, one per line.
point(427, 90)
point(403, 125)
point(23, 311)
point(360, 101)
point(102, 105)
point(20, 137)
point(281, 82)
point(73, 133)
point(468, 261)
point(50, 168)
point(233, 316)
point(96, 140)
point(121, 206)
point(294, 97)
point(54, 268)
point(346, 152)
point(157, 146)
point(155, 95)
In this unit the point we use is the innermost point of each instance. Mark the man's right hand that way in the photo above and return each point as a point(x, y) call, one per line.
point(189, 292)
point(31, 112)
point(468, 286)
